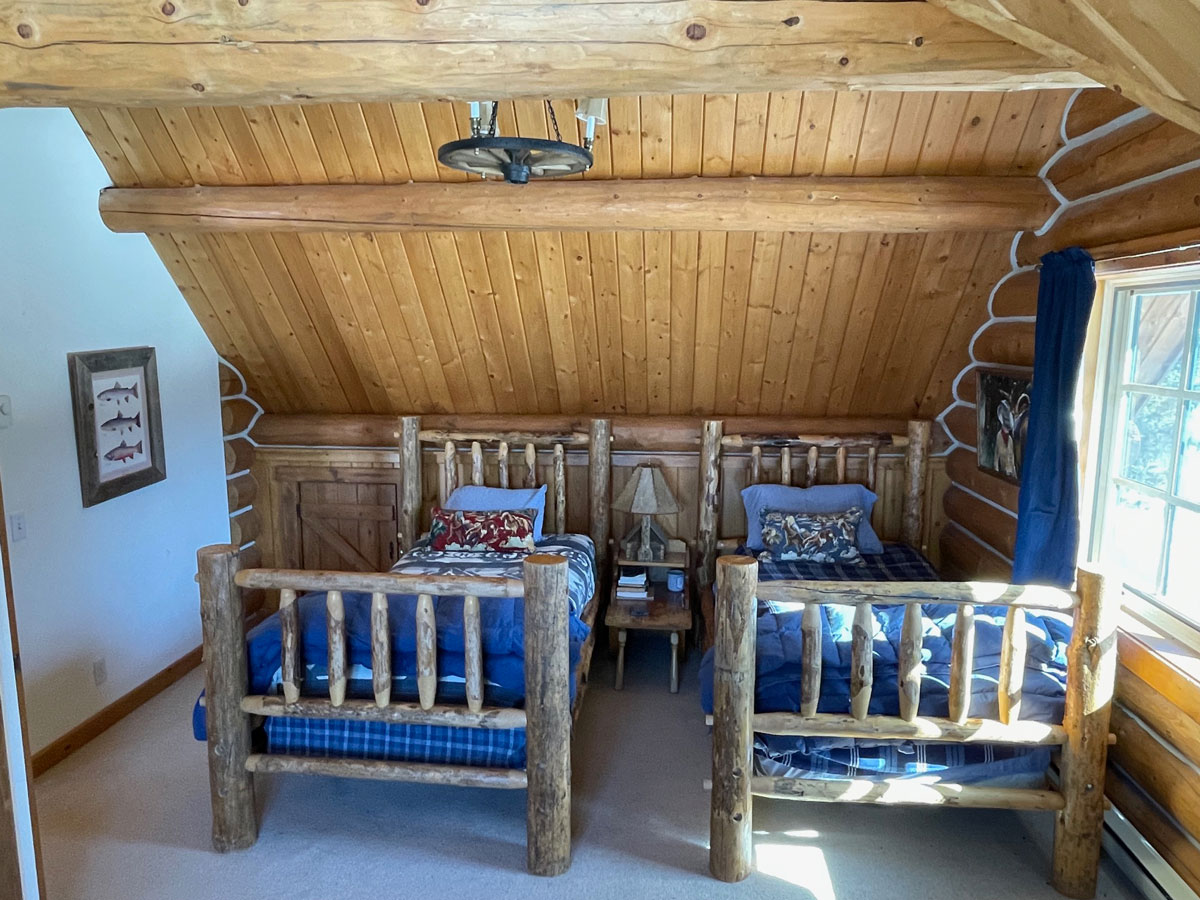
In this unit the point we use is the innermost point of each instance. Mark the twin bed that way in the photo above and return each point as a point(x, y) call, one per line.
point(874, 682)
point(466, 669)
point(454, 668)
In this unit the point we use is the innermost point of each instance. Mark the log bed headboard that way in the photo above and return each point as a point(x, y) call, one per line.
point(789, 448)
point(454, 447)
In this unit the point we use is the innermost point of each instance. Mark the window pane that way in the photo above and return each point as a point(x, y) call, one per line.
point(1148, 438)
point(1188, 479)
point(1195, 379)
point(1183, 561)
point(1157, 338)
point(1136, 525)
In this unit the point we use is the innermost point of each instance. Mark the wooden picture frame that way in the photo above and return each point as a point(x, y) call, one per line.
point(1002, 409)
point(118, 421)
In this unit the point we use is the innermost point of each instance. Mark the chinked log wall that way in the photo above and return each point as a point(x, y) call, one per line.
point(238, 414)
point(332, 443)
point(1133, 183)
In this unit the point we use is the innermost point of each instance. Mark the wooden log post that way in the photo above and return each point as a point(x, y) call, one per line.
point(449, 470)
point(1092, 668)
point(785, 465)
point(600, 485)
point(502, 463)
point(476, 463)
point(335, 622)
point(410, 481)
point(473, 653)
point(290, 664)
point(560, 489)
point(911, 667)
point(381, 650)
point(842, 453)
point(810, 474)
point(234, 826)
point(710, 485)
point(426, 651)
point(1013, 645)
point(530, 466)
point(730, 825)
point(962, 664)
point(862, 661)
point(548, 715)
point(755, 465)
point(872, 465)
point(916, 470)
point(810, 677)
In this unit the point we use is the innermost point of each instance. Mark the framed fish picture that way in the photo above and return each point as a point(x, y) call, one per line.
point(118, 421)
point(1002, 404)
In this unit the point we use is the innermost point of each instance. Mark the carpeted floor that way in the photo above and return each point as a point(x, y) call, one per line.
point(127, 818)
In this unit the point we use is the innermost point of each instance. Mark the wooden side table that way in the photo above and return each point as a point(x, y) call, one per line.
point(669, 611)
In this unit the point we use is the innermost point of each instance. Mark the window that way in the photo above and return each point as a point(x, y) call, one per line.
point(1147, 504)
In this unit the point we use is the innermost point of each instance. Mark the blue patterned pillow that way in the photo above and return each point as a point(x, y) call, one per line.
point(814, 537)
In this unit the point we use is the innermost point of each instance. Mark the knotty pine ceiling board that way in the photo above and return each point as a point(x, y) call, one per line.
point(692, 322)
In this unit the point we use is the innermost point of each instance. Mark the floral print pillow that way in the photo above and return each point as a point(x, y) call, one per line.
point(461, 529)
point(813, 537)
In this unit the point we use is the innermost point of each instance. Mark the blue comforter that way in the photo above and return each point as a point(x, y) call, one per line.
point(780, 647)
point(501, 619)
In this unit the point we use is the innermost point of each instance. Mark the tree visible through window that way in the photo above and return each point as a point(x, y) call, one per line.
point(1148, 499)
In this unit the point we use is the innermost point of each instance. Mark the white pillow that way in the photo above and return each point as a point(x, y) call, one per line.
point(477, 498)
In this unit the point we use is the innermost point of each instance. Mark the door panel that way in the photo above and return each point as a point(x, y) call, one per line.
point(339, 518)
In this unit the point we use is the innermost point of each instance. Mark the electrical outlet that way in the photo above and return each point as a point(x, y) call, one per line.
point(99, 671)
point(16, 527)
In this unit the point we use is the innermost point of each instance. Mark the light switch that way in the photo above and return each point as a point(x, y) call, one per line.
point(5, 411)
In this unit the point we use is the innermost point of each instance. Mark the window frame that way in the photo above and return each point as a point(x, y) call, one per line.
point(1112, 347)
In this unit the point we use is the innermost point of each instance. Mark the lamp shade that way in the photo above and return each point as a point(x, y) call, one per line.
point(646, 493)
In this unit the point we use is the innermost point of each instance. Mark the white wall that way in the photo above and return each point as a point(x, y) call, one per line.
point(114, 581)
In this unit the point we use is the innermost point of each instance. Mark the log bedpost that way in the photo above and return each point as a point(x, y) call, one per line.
point(730, 826)
point(600, 468)
point(710, 485)
point(560, 489)
point(234, 826)
point(916, 470)
point(548, 715)
point(1091, 667)
point(410, 480)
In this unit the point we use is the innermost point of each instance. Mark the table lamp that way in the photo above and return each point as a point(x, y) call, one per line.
point(646, 494)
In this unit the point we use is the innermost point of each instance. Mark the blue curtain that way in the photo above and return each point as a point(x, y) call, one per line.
point(1048, 509)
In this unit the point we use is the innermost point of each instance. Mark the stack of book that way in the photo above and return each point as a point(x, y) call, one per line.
point(633, 586)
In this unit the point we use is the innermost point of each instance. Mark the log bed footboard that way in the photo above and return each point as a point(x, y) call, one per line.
point(1083, 735)
point(546, 717)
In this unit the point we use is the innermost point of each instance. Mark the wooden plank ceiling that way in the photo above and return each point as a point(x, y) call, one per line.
point(688, 322)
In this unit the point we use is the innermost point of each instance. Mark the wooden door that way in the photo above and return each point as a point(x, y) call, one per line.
point(339, 518)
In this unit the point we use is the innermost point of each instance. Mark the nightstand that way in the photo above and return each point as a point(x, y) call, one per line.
point(665, 610)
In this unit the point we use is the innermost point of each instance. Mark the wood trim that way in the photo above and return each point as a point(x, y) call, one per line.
point(121, 53)
point(1159, 829)
point(10, 605)
point(1171, 781)
point(629, 432)
point(811, 203)
point(56, 751)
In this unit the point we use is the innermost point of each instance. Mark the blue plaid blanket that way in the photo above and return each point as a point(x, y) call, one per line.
point(502, 623)
point(779, 671)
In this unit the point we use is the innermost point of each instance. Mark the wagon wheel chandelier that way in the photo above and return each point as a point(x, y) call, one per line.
point(517, 159)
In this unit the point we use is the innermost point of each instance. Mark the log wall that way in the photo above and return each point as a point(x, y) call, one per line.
point(1133, 182)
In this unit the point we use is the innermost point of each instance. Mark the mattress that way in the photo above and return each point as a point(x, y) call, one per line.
point(779, 673)
point(502, 627)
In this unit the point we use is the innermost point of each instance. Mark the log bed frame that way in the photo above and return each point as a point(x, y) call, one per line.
point(1083, 736)
point(546, 717)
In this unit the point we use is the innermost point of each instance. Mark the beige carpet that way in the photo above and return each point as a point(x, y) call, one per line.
point(127, 818)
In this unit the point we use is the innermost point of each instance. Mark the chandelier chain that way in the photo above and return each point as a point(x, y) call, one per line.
point(553, 121)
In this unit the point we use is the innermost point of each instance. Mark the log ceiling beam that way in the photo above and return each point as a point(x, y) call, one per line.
point(1149, 51)
point(201, 52)
point(815, 203)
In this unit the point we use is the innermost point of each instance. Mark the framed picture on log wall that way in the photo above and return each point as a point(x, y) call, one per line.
point(118, 421)
point(1002, 403)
